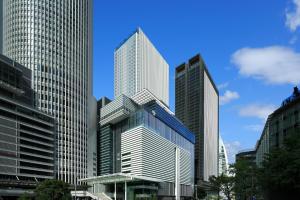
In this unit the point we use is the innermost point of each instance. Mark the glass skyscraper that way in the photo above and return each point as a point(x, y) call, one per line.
point(53, 38)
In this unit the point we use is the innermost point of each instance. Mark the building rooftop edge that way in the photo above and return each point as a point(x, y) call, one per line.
point(201, 60)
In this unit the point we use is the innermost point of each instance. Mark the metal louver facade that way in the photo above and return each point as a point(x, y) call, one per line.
point(53, 38)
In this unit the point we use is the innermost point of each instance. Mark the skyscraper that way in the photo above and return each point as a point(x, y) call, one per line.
point(138, 66)
point(104, 138)
point(197, 106)
point(54, 40)
point(223, 158)
point(1, 26)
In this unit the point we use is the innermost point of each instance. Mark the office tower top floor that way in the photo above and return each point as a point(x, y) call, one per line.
point(138, 65)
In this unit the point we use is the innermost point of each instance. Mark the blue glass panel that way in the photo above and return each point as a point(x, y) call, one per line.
point(171, 121)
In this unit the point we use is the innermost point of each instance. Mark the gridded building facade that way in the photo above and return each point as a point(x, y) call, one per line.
point(285, 120)
point(223, 158)
point(282, 123)
point(104, 141)
point(27, 136)
point(54, 40)
point(263, 144)
point(197, 106)
point(138, 65)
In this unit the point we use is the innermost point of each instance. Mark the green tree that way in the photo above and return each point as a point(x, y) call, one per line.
point(200, 193)
point(280, 174)
point(25, 196)
point(224, 184)
point(245, 178)
point(53, 190)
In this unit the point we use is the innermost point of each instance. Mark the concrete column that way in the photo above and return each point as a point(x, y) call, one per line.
point(115, 191)
point(125, 190)
point(177, 173)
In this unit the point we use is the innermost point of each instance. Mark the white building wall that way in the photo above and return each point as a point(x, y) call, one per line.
point(92, 139)
point(223, 159)
point(153, 156)
point(138, 66)
point(55, 40)
point(125, 68)
point(211, 129)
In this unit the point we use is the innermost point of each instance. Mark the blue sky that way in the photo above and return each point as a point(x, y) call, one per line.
point(250, 47)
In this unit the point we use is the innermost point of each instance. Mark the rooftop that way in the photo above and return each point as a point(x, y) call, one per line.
point(293, 97)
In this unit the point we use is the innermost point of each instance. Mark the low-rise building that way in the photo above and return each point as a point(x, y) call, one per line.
point(247, 154)
point(147, 151)
point(263, 144)
point(283, 122)
point(27, 135)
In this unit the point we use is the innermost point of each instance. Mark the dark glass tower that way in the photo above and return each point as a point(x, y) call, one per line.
point(104, 141)
point(197, 106)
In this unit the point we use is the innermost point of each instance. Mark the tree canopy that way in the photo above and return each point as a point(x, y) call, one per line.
point(224, 184)
point(280, 174)
point(53, 190)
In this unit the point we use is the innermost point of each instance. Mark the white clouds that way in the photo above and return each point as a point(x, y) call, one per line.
point(274, 64)
point(228, 97)
point(293, 17)
point(232, 148)
point(223, 85)
point(257, 110)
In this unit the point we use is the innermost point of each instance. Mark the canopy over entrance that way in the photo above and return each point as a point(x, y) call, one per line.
point(117, 178)
point(121, 178)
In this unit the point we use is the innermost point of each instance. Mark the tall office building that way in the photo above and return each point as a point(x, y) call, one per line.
point(54, 40)
point(1, 26)
point(103, 139)
point(197, 106)
point(223, 158)
point(138, 66)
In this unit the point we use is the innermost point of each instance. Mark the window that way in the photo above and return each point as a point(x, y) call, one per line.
point(126, 154)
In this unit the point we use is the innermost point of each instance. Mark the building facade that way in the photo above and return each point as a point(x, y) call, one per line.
point(54, 40)
point(197, 106)
point(247, 155)
point(1, 26)
point(285, 120)
point(92, 138)
point(138, 65)
point(147, 152)
point(103, 140)
point(27, 135)
point(282, 123)
point(223, 158)
point(263, 144)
